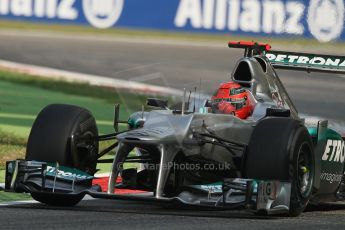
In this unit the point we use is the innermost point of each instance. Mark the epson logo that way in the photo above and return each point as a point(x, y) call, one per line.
point(335, 151)
point(99, 13)
point(295, 59)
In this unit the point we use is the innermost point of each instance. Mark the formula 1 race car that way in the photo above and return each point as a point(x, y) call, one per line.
point(267, 162)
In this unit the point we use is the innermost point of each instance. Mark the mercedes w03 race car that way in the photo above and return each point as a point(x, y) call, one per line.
point(245, 148)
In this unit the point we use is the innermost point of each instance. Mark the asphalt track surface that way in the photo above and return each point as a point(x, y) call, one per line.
point(172, 65)
point(100, 214)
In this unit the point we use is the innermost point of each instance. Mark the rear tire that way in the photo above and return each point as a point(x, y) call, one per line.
point(54, 138)
point(281, 149)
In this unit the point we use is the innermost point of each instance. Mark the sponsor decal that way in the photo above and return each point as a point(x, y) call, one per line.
point(245, 15)
point(268, 191)
point(326, 19)
point(70, 174)
point(99, 13)
point(295, 58)
point(323, 18)
point(102, 13)
point(334, 151)
point(330, 177)
point(60, 9)
point(210, 188)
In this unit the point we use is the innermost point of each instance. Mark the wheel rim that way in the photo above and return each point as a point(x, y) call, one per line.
point(83, 160)
point(305, 170)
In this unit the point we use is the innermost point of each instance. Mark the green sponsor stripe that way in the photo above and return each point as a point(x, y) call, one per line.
point(305, 59)
point(67, 173)
point(329, 134)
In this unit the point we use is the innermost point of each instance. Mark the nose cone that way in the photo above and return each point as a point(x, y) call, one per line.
point(159, 129)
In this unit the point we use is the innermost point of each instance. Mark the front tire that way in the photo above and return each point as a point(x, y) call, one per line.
point(281, 149)
point(63, 134)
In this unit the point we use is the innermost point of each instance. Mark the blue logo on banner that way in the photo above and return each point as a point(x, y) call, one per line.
point(321, 19)
point(102, 13)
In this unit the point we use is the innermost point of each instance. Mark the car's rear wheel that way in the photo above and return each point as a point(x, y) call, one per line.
point(63, 134)
point(281, 149)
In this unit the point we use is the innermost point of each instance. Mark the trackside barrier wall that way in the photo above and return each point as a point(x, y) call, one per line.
point(316, 19)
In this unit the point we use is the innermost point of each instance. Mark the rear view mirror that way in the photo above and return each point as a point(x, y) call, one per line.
point(208, 103)
point(157, 103)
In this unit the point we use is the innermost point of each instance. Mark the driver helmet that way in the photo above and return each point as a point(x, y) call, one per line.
point(232, 98)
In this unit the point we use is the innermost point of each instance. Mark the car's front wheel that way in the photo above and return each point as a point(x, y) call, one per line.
point(63, 133)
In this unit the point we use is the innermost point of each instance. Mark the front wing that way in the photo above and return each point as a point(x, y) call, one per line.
point(271, 197)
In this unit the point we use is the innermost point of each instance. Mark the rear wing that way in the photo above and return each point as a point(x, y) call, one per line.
point(250, 48)
point(306, 62)
point(293, 60)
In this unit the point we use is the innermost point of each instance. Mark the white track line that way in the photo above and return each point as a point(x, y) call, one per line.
point(17, 202)
point(10, 203)
point(87, 78)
